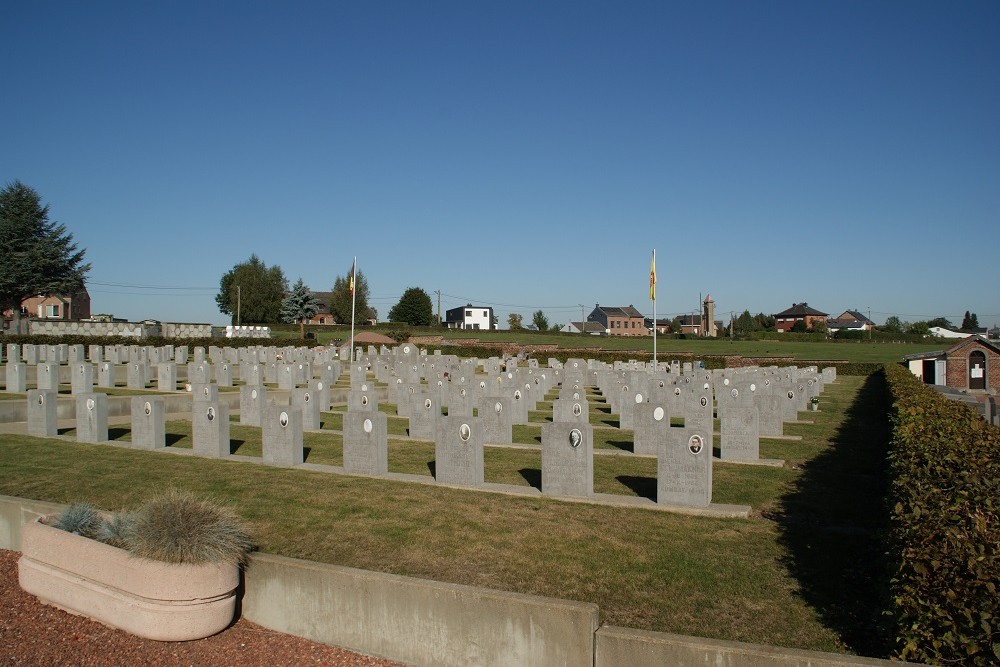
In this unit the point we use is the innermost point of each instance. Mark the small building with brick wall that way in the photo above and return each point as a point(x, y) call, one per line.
point(786, 319)
point(972, 364)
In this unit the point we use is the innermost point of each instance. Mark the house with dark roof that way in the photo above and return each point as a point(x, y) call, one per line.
point(851, 320)
point(323, 313)
point(786, 319)
point(620, 321)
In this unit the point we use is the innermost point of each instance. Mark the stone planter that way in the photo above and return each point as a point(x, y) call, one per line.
point(149, 598)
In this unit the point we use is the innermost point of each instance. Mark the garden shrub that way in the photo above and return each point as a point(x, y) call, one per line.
point(944, 537)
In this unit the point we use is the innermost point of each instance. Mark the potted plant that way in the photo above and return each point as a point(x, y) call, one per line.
point(167, 570)
point(814, 403)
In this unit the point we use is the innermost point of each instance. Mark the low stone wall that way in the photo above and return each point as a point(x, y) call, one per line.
point(41, 327)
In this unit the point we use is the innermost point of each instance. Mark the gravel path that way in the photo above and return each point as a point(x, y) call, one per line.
point(35, 634)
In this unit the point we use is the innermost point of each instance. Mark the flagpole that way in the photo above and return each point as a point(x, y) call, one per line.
point(354, 272)
point(652, 293)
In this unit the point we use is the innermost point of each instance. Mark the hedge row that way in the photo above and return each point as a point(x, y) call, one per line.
point(944, 508)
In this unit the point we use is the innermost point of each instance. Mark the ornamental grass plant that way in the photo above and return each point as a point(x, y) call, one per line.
point(174, 527)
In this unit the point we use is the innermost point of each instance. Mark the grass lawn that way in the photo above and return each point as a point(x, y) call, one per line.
point(801, 572)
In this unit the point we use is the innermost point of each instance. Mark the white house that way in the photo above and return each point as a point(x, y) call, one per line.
point(469, 317)
point(941, 332)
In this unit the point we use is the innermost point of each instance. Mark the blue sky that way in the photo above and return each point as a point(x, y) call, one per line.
point(524, 155)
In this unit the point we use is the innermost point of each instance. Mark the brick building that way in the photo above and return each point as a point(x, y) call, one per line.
point(972, 364)
point(618, 321)
point(786, 319)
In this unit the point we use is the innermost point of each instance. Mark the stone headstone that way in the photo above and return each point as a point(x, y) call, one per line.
point(81, 377)
point(425, 411)
point(740, 434)
point(281, 436)
point(47, 376)
point(366, 449)
point(305, 402)
point(567, 459)
point(137, 375)
point(17, 376)
point(92, 417)
point(166, 376)
point(684, 469)
point(458, 451)
point(495, 416)
point(42, 411)
point(652, 426)
point(106, 374)
point(148, 422)
point(210, 428)
point(253, 400)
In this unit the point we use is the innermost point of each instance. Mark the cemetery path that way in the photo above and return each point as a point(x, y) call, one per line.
point(32, 633)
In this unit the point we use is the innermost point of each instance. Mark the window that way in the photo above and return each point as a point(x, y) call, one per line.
point(50, 310)
point(468, 313)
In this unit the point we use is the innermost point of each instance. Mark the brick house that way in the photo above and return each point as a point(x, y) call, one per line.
point(618, 321)
point(56, 307)
point(972, 364)
point(786, 319)
point(323, 314)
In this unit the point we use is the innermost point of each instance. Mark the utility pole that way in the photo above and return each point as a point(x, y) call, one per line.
point(439, 306)
point(583, 323)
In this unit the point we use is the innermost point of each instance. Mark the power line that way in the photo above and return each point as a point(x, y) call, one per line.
point(152, 287)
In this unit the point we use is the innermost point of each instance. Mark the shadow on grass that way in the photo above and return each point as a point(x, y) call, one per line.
point(833, 524)
point(117, 433)
point(432, 466)
point(234, 445)
point(172, 439)
point(305, 453)
point(533, 476)
point(644, 487)
point(624, 445)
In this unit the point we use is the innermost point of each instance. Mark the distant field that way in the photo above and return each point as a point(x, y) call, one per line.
point(805, 351)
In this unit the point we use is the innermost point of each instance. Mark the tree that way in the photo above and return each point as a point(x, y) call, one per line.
point(414, 308)
point(299, 306)
point(940, 322)
point(920, 328)
point(341, 298)
point(494, 320)
point(251, 292)
point(892, 325)
point(555, 327)
point(540, 321)
point(819, 326)
point(799, 326)
point(39, 256)
point(745, 324)
point(514, 321)
point(970, 322)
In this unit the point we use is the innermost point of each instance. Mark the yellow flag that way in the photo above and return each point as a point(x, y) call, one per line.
point(351, 286)
point(652, 278)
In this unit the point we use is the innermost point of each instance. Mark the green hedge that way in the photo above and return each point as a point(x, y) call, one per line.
point(944, 498)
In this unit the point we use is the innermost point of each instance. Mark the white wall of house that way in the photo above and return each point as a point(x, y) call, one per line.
point(477, 318)
point(941, 332)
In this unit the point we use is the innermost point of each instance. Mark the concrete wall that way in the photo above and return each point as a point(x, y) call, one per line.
point(640, 648)
point(416, 621)
point(44, 327)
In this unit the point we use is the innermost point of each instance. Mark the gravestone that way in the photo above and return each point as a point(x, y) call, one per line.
point(95, 353)
point(30, 354)
point(253, 399)
point(286, 377)
point(652, 426)
point(210, 428)
point(571, 410)
point(321, 392)
point(166, 376)
point(137, 376)
point(92, 417)
point(425, 412)
point(224, 374)
point(17, 376)
point(304, 401)
point(366, 448)
point(281, 436)
point(362, 399)
point(495, 416)
point(740, 434)
point(42, 411)
point(205, 393)
point(106, 374)
point(47, 376)
point(567, 459)
point(13, 353)
point(684, 469)
point(148, 422)
point(459, 400)
point(458, 451)
point(81, 377)
point(76, 354)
